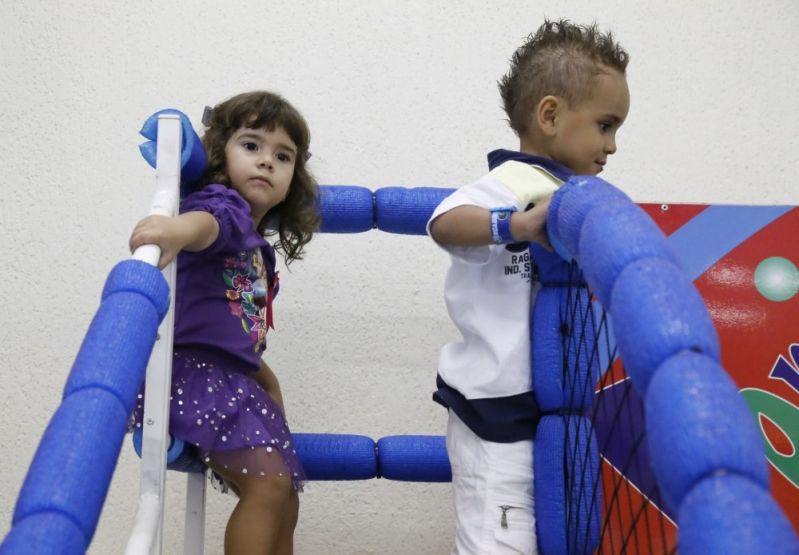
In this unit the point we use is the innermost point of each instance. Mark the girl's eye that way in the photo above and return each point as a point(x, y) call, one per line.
point(283, 157)
point(252, 147)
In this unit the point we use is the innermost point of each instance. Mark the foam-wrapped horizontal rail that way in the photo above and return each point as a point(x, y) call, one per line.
point(66, 484)
point(346, 209)
point(406, 211)
point(414, 458)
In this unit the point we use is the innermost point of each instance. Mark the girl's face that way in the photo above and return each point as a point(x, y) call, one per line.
point(260, 164)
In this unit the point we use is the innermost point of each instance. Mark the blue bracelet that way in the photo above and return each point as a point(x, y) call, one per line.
point(500, 225)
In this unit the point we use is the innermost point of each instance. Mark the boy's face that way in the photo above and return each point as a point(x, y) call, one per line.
point(584, 133)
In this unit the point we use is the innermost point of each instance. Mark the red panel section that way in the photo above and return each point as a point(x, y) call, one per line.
point(671, 217)
point(634, 524)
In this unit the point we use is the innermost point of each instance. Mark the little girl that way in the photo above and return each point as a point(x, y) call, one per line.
point(226, 400)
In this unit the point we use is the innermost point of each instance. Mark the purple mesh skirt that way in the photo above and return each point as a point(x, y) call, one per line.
point(228, 417)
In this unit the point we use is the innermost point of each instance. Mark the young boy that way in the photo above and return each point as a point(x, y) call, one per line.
point(565, 96)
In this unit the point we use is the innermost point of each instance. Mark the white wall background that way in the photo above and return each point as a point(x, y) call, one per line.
point(396, 93)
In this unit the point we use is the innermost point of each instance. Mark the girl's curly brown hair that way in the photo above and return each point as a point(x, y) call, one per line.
point(297, 217)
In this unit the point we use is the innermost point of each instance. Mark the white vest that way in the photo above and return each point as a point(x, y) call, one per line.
point(489, 291)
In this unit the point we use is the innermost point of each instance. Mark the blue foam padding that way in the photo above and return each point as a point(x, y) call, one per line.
point(613, 236)
point(139, 277)
point(45, 533)
point(406, 211)
point(414, 458)
point(554, 270)
point(656, 313)
point(698, 423)
point(555, 387)
point(179, 456)
point(336, 456)
point(732, 515)
point(582, 466)
point(76, 457)
point(346, 209)
point(552, 228)
point(116, 348)
point(546, 354)
point(572, 202)
point(193, 158)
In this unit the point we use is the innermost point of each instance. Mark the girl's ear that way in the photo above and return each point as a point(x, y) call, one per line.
point(546, 114)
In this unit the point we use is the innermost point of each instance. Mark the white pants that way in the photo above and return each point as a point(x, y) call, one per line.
point(492, 486)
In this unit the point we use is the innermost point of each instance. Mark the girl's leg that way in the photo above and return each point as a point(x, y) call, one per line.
point(258, 523)
point(285, 540)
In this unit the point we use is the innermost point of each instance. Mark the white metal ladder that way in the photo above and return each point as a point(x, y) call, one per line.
point(146, 536)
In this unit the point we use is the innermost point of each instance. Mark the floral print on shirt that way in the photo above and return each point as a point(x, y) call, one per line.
point(247, 293)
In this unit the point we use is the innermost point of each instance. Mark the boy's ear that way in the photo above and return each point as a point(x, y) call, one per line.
point(546, 114)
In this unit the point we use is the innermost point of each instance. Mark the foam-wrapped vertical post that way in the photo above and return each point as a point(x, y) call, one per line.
point(584, 500)
point(698, 423)
point(346, 209)
point(406, 211)
point(733, 515)
point(658, 312)
point(549, 478)
point(413, 458)
point(566, 467)
point(554, 270)
point(546, 355)
point(336, 456)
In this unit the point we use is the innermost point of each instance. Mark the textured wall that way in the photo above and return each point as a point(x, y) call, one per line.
point(396, 94)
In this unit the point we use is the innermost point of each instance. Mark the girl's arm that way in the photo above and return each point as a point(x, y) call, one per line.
point(191, 231)
point(470, 226)
point(267, 379)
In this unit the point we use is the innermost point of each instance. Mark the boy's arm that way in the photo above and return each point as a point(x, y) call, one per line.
point(191, 231)
point(267, 379)
point(470, 226)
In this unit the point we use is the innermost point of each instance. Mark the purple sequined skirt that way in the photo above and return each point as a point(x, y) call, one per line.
point(229, 417)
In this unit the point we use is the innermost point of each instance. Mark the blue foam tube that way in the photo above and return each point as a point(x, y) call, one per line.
point(733, 515)
point(406, 211)
point(117, 346)
point(697, 424)
point(193, 158)
point(49, 533)
point(72, 468)
point(550, 485)
point(414, 458)
point(336, 456)
point(572, 203)
point(346, 209)
point(555, 387)
point(613, 236)
point(658, 312)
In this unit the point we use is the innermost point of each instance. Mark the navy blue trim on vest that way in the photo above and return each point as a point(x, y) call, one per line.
point(501, 419)
point(500, 156)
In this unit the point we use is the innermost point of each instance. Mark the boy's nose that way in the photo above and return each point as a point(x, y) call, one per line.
point(610, 145)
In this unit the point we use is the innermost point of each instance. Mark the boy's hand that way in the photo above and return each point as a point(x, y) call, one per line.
point(531, 224)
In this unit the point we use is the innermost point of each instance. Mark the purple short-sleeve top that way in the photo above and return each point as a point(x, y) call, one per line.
point(223, 299)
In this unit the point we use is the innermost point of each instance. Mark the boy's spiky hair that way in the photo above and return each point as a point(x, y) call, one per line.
point(559, 59)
